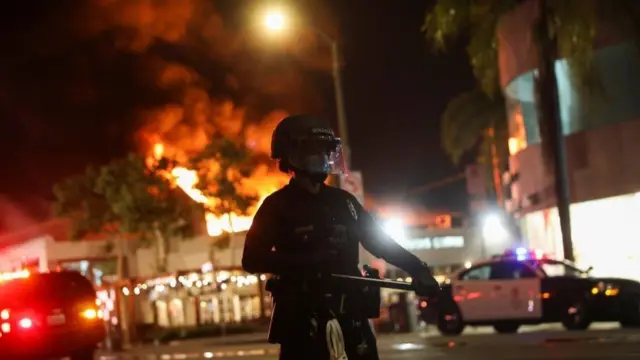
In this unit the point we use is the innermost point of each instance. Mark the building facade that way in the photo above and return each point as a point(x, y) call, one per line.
point(601, 127)
point(192, 292)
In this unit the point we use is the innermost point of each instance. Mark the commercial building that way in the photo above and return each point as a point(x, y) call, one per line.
point(601, 129)
point(191, 292)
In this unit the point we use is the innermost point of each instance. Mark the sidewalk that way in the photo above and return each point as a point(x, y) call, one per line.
point(254, 341)
point(429, 338)
point(257, 338)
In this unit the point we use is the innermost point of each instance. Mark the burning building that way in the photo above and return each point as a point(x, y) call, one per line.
point(133, 61)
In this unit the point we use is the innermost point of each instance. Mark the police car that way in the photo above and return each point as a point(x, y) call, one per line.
point(49, 314)
point(525, 287)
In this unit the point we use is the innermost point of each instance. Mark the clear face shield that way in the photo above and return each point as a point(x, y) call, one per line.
point(319, 155)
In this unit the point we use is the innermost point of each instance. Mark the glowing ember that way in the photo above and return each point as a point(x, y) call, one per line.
point(263, 182)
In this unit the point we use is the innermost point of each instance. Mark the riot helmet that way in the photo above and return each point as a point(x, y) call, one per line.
point(307, 144)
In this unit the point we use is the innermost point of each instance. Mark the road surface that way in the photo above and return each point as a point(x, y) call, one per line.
point(537, 343)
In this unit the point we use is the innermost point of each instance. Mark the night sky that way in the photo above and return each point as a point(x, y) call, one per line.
point(76, 80)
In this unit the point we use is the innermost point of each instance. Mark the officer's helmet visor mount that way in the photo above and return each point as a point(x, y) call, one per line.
point(318, 154)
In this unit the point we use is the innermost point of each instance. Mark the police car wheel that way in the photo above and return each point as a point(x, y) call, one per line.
point(506, 328)
point(450, 321)
point(576, 317)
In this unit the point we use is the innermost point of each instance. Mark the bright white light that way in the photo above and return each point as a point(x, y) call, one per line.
point(275, 20)
point(408, 346)
point(467, 264)
point(493, 229)
point(395, 229)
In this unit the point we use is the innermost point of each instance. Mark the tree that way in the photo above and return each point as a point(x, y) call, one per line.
point(222, 167)
point(473, 119)
point(565, 29)
point(145, 203)
point(123, 200)
point(574, 24)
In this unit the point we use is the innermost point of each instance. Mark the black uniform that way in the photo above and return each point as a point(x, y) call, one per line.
point(298, 234)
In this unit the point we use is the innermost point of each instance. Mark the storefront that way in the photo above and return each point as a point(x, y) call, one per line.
point(196, 298)
point(605, 234)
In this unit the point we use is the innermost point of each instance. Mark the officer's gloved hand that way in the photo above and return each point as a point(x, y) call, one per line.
point(424, 283)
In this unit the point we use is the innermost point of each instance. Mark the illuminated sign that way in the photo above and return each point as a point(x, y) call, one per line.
point(435, 243)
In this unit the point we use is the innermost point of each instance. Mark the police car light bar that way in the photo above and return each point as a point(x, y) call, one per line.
point(525, 254)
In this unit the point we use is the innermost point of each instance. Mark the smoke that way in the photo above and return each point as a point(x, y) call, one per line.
point(83, 76)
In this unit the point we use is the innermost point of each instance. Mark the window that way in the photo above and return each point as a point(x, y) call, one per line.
point(478, 273)
point(559, 268)
point(518, 137)
point(447, 242)
point(511, 270)
point(440, 242)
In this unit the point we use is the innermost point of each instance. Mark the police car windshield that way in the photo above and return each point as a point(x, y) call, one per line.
point(554, 268)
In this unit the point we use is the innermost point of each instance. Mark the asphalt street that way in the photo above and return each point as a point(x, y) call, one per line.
point(547, 342)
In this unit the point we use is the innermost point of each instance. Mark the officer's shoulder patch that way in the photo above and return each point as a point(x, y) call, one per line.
point(352, 209)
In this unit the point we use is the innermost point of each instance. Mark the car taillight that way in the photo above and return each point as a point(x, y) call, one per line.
point(90, 314)
point(25, 323)
point(5, 327)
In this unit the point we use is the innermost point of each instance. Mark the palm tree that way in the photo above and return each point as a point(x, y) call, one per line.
point(574, 24)
point(473, 119)
point(568, 30)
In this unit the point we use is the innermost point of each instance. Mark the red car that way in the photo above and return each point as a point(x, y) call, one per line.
point(46, 315)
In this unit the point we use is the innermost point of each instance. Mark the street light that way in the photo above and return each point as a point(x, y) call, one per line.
point(493, 229)
point(395, 229)
point(276, 20)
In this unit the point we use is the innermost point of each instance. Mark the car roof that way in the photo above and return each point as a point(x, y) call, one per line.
point(475, 264)
point(64, 275)
point(501, 259)
point(508, 258)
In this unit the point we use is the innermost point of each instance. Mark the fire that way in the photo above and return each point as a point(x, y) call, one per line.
point(262, 181)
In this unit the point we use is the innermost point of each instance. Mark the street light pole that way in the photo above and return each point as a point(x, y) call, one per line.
point(342, 116)
point(276, 21)
point(343, 130)
point(548, 102)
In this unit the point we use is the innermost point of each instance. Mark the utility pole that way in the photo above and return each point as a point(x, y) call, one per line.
point(342, 115)
point(549, 116)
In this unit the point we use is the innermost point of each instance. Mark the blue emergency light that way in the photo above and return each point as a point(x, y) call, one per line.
point(522, 254)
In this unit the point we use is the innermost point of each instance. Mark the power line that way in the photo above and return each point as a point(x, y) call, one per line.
point(436, 184)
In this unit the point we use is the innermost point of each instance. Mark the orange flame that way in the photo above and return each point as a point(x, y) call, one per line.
point(262, 181)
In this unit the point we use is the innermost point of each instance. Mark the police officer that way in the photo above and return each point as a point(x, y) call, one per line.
point(307, 229)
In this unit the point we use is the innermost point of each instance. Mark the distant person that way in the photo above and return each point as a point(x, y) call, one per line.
point(307, 229)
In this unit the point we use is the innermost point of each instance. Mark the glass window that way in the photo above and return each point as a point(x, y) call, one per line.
point(446, 242)
point(559, 268)
point(511, 270)
point(523, 119)
point(517, 132)
point(482, 272)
